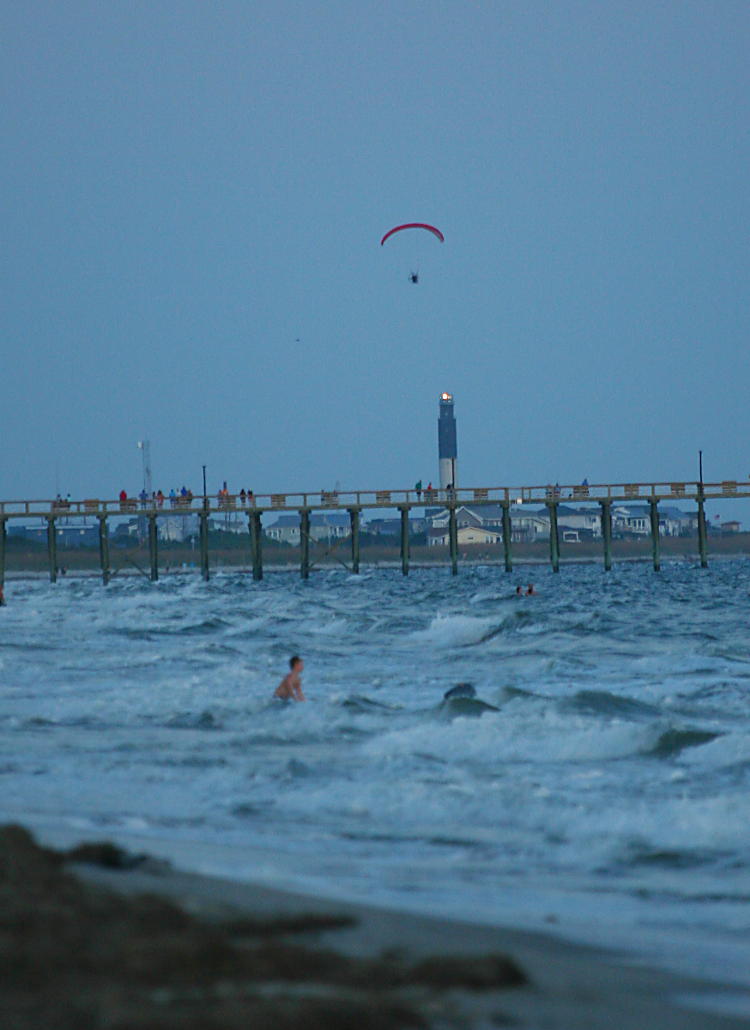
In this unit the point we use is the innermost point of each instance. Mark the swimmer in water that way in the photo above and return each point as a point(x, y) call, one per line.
point(290, 688)
point(530, 590)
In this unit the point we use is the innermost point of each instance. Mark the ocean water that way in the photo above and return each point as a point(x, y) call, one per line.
point(606, 800)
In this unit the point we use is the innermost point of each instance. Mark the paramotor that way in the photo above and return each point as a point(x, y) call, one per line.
point(414, 225)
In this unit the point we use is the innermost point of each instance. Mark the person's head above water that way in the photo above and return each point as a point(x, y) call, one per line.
point(460, 690)
point(294, 661)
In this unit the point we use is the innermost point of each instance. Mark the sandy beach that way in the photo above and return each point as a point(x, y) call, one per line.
point(96, 937)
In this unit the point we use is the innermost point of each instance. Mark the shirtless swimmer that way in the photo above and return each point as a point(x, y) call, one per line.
point(290, 688)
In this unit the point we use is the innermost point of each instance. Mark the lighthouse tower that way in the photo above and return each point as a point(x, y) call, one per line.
point(447, 447)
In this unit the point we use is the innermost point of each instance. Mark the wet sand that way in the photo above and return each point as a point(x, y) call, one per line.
point(95, 937)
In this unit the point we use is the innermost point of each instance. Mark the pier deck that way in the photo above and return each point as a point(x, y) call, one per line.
point(621, 493)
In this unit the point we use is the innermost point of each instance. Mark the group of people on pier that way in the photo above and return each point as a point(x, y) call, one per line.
point(178, 498)
point(418, 488)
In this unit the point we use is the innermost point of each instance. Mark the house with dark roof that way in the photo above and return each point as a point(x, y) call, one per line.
point(71, 536)
point(323, 526)
point(635, 520)
point(526, 524)
point(577, 524)
point(481, 515)
point(392, 527)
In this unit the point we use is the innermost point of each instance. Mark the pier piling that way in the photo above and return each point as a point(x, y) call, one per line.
point(654, 517)
point(104, 548)
point(453, 538)
point(3, 539)
point(606, 507)
point(52, 548)
point(256, 547)
point(507, 537)
point(404, 539)
point(554, 536)
point(702, 548)
point(203, 535)
point(304, 542)
point(153, 548)
point(354, 520)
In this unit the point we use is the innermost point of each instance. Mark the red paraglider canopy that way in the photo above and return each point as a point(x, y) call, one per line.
point(414, 225)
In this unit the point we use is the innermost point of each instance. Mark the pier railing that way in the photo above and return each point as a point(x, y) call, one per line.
point(427, 498)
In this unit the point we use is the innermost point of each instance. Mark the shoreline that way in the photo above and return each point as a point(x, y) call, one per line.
point(21, 575)
point(366, 966)
point(135, 561)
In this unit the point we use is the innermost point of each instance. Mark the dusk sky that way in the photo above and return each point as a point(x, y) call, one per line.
point(193, 196)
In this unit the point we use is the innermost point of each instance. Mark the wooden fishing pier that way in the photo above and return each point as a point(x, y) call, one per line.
point(253, 507)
